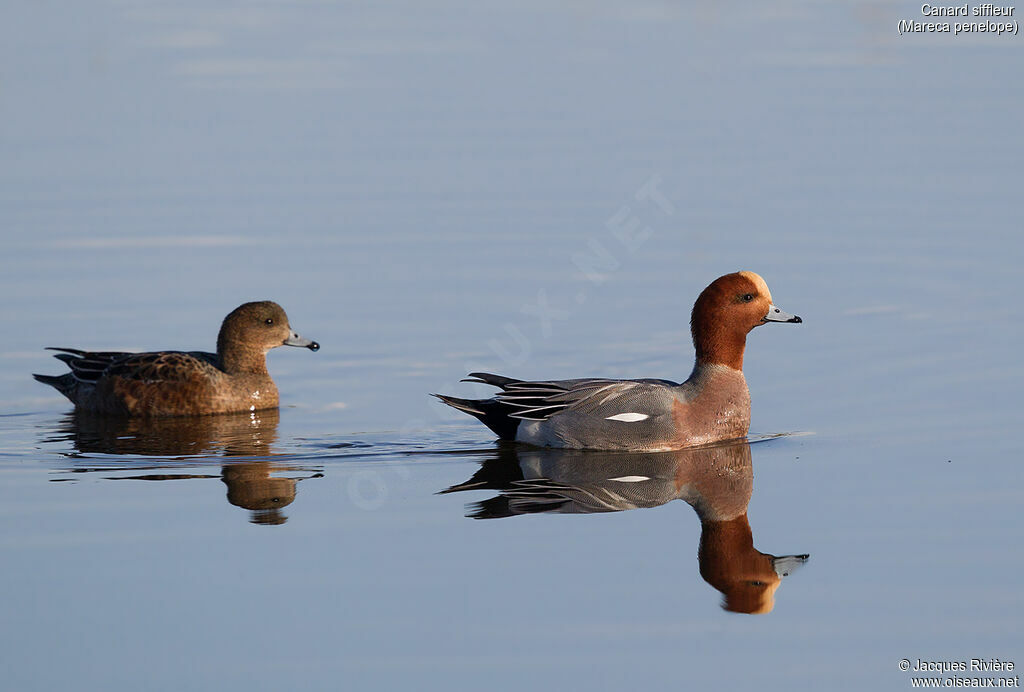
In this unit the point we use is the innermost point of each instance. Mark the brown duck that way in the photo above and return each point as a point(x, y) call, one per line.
point(176, 383)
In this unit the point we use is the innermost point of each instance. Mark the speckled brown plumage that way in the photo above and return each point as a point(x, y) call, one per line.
point(176, 383)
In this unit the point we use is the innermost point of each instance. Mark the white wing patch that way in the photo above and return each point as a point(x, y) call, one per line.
point(629, 417)
point(630, 479)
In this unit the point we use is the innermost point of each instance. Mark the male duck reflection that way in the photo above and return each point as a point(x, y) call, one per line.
point(645, 414)
point(173, 383)
point(251, 483)
point(717, 481)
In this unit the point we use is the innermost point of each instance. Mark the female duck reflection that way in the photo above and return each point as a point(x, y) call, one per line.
point(250, 484)
point(717, 481)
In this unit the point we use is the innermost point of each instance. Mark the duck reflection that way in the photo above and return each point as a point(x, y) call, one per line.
point(250, 482)
point(717, 481)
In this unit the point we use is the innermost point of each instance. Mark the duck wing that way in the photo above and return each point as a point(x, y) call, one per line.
point(539, 400)
point(161, 366)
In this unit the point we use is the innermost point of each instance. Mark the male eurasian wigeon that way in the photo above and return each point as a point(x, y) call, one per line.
point(716, 480)
point(174, 383)
point(645, 414)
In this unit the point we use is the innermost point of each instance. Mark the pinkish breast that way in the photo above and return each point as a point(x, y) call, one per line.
point(716, 406)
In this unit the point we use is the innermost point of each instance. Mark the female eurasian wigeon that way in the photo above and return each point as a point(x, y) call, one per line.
point(173, 383)
point(643, 415)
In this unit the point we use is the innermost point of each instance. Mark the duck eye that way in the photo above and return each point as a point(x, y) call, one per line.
point(269, 320)
point(747, 297)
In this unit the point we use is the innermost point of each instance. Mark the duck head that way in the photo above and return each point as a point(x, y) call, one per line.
point(252, 329)
point(726, 311)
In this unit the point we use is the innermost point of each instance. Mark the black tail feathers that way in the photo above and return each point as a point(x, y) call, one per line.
point(490, 412)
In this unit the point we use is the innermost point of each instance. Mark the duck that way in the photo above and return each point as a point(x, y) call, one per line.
point(717, 481)
point(178, 383)
point(648, 415)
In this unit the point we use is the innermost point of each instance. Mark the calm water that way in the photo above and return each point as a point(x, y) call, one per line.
point(539, 192)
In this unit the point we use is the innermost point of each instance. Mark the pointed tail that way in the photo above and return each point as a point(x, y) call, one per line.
point(490, 412)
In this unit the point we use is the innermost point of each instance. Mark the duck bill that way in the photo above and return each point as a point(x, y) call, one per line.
point(778, 315)
point(785, 565)
point(296, 340)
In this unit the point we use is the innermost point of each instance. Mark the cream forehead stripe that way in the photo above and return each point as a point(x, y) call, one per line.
point(762, 287)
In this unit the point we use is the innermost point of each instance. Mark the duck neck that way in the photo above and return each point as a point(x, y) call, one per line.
point(725, 538)
point(720, 346)
point(236, 358)
point(730, 563)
